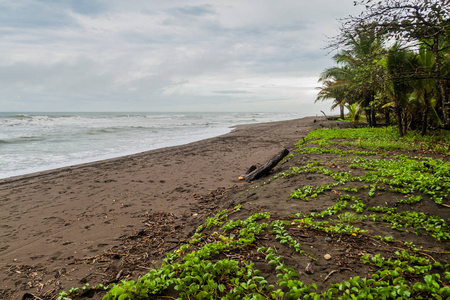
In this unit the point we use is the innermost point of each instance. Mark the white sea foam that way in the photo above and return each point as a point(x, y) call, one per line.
point(31, 142)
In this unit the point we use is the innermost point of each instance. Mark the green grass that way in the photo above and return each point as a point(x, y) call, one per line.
point(385, 138)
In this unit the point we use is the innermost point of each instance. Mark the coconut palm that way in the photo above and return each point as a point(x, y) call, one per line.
point(354, 80)
point(397, 87)
point(335, 82)
point(425, 87)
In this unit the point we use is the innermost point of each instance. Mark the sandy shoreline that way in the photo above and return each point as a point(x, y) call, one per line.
point(50, 218)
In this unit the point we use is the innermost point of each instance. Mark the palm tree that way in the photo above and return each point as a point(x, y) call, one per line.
point(397, 86)
point(335, 82)
point(354, 81)
point(353, 111)
point(424, 86)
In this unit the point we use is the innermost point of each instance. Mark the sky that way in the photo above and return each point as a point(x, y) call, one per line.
point(173, 55)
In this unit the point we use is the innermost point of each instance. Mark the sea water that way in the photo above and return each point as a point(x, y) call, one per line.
point(32, 142)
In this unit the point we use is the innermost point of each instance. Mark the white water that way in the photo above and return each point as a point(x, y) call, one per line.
point(32, 142)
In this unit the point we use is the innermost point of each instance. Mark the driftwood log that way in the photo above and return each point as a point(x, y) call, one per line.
point(330, 118)
point(257, 172)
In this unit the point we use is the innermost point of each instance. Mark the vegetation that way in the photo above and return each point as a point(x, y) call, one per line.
point(393, 63)
point(218, 261)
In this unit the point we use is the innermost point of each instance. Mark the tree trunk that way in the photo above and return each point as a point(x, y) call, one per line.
point(424, 121)
point(425, 113)
point(369, 117)
point(374, 119)
point(441, 83)
point(341, 107)
point(405, 122)
point(398, 114)
point(387, 116)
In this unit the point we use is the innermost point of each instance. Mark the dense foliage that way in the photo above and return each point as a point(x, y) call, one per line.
point(393, 61)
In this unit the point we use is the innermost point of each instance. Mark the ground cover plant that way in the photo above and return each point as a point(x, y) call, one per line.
point(350, 214)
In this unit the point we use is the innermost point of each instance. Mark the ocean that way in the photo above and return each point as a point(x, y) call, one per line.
point(33, 142)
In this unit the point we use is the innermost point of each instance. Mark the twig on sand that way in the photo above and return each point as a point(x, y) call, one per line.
point(334, 271)
point(428, 255)
point(329, 274)
point(118, 275)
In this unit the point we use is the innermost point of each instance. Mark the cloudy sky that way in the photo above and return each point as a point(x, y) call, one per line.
point(174, 55)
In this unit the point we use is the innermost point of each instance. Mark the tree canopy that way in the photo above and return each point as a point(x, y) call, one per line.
point(394, 57)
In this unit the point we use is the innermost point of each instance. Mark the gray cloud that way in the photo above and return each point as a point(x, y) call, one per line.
point(87, 7)
point(32, 14)
point(231, 92)
point(159, 55)
point(193, 10)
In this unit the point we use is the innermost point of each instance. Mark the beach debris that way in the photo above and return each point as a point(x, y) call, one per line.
point(329, 274)
point(258, 172)
point(327, 256)
point(251, 169)
point(116, 279)
point(330, 118)
point(335, 271)
point(60, 272)
point(309, 269)
point(30, 296)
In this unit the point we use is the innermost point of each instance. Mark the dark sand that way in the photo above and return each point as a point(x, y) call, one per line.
point(50, 220)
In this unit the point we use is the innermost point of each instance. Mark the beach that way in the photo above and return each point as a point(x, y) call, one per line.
point(52, 219)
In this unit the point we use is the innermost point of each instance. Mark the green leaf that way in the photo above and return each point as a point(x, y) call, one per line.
point(418, 286)
point(117, 291)
point(202, 294)
point(123, 297)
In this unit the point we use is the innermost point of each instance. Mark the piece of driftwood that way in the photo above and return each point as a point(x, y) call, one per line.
point(258, 172)
point(251, 169)
point(330, 118)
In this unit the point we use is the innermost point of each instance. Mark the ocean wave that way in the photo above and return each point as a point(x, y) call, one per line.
point(118, 129)
point(47, 140)
point(21, 140)
point(18, 116)
point(26, 139)
point(96, 131)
